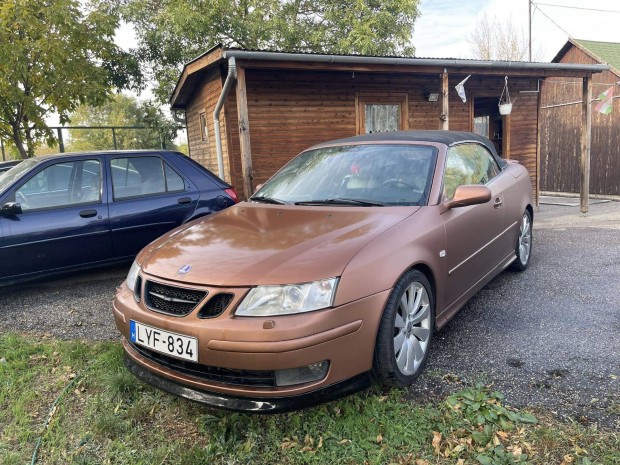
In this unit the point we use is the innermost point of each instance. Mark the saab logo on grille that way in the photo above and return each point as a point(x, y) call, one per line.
point(184, 269)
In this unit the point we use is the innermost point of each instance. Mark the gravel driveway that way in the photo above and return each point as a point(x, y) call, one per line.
point(548, 337)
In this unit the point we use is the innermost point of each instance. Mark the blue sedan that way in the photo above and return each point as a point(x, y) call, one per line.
point(64, 212)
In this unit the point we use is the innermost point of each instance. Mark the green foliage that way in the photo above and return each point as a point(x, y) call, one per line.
point(54, 56)
point(172, 32)
point(121, 110)
point(107, 416)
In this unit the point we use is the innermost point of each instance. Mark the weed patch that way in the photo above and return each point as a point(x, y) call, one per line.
point(108, 417)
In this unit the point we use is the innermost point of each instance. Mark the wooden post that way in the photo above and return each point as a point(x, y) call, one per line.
point(244, 133)
point(538, 131)
point(586, 136)
point(444, 122)
point(506, 137)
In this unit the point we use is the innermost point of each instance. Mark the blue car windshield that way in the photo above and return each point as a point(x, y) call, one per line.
point(362, 175)
point(16, 172)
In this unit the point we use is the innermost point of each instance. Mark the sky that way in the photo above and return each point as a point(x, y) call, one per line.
point(444, 25)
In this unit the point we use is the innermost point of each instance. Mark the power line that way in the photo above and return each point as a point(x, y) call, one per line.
point(577, 7)
point(556, 24)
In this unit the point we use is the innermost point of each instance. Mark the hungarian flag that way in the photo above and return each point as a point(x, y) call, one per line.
point(605, 105)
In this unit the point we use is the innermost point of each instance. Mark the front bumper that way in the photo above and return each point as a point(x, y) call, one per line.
point(343, 336)
point(251, 404)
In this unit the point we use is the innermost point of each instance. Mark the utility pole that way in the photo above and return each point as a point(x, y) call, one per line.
point(530, 23)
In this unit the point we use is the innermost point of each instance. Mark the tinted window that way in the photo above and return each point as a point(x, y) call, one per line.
point(391, 174)
point(468, 164)
point(137, 176)
point(62, 184)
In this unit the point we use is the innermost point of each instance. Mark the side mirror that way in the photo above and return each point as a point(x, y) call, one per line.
point(469, 195)
point(11, 208)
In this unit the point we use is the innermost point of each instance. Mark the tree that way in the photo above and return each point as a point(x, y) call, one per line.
point(172, 32)
point(495, 40)
point(54, 56)
point(122, 110)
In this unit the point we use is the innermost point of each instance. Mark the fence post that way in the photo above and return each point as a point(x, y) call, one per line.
point(2, 147)
point(61, 144)
point(114, 138)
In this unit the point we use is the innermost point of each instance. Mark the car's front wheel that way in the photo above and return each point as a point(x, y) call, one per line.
point(405, 331)
point(523, 249)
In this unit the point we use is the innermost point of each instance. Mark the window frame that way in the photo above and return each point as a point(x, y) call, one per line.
point(479, 146)
point(378, 98)
point(151, 194)
point(204, 126)
point(71, 186)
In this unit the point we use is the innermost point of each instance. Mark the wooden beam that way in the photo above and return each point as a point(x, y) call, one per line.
point(586, 137)
point(244, 133)
point(506, 137)
point(538, 132)
point(444, 117)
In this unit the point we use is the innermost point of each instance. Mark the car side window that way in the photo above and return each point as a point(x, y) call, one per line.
point(140, 176)
point(62, 184)
point(468, 164)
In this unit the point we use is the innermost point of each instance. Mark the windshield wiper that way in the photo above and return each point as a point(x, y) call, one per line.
point(342, 201)
point(263, 199)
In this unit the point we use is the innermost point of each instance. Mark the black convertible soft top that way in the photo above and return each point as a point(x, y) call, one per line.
point(448, 138)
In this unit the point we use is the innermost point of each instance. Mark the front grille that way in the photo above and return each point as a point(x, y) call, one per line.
point(177, 301)
point(252, 378)
point(216, 305)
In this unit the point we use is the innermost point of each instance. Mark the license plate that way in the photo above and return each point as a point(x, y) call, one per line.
point(165, 342)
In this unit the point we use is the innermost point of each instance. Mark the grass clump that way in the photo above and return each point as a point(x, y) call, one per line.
point(107, 417)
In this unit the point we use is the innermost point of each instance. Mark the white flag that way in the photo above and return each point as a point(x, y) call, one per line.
point(460, 89)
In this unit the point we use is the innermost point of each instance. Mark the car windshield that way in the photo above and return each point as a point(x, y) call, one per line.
point(16, 172)
point(354, 175)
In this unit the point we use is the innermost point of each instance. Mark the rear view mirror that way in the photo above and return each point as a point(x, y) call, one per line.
point(469, 195)
point(11, 208)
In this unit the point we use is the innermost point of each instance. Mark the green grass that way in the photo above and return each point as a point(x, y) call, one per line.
point(106, 416)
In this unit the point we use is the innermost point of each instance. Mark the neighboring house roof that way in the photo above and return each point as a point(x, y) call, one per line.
point(603, 52)
point(192, 71)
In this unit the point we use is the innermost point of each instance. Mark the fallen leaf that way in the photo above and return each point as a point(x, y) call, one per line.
point(517, 451)
point(460, 462)
point(379, 439)
point(436, 441)
point(422, 462)
point(567, 459)
point(502, 435)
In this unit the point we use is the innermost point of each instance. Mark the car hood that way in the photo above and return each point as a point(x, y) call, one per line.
point(252, 244)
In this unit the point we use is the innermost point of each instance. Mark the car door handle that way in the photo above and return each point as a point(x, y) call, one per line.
point(88, 213)
point(184, 200)
point(498, 202)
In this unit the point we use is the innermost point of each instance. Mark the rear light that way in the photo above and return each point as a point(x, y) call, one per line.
point(232, 194)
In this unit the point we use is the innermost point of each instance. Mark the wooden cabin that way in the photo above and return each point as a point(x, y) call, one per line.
point(561, 121)
point(275, 104)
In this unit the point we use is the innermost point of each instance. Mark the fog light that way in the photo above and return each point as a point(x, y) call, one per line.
point(300, 375)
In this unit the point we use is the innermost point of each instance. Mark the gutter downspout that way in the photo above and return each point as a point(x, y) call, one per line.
point(232, 75)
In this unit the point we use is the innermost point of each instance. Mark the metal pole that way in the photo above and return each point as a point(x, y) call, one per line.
point(530, 17)
point(61, 144)
point(2, 147)
point(114, 138)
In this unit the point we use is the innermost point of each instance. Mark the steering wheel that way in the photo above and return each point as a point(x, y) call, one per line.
point(397, 183)
point(21, 199)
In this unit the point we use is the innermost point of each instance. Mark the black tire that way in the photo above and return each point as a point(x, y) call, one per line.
point(386, 361)
point(524, 241)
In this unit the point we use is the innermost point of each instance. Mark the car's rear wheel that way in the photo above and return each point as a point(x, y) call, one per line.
point(405, 331)
point(523, 249)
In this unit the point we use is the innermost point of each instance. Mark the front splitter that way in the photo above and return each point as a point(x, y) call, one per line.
point(251, 404)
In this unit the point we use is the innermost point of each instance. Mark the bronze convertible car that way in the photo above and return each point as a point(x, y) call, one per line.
point(336, 272)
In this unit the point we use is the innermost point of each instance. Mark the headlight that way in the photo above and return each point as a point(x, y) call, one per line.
point(288, 299)
point(132, 276)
